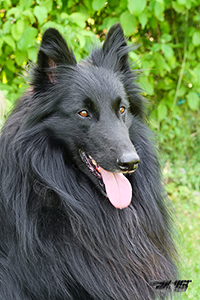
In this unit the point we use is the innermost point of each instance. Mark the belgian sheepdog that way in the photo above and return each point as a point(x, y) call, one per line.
point(83, 213)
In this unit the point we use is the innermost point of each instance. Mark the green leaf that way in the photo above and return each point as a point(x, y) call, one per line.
point(193, 100)
point(10, 66)
point(182, 2)
point(25, 4)
point(82, 40)
point(159, 8)
point(197, 73)
point(27, 39)
point(98, 4)
point(160, 64)
point(1, 43)
point(20, 57)
point(6, 27)
point(7, 4)
point(64, 16)
point(114, 3)
point(17, 29)
point(9, 41)
point(165, 37)
point(156, 47)
point(196, 38)
point(108, 22)
point(143, 17)
point(87, 33)
point(162, 111)
point(146, 85)
point(177, 7)
point(167, 50)
point(32, 54)
point(41, 13)
point(29, 15)
point(128, 23)
point(136, 7)
point(78, 18)
point(16, 36)
point(59, 3)
point(48, 4)
point(14, 11)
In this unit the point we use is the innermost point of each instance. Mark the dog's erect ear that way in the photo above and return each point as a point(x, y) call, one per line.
point(115, 48)
point(114, 39)
point(54, 52)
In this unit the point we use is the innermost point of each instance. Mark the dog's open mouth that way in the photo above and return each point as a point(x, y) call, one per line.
point(116, 186)
point(92, 166)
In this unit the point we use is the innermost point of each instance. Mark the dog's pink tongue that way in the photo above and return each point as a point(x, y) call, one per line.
point(118, 188)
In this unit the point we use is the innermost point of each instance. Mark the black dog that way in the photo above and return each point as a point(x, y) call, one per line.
point(76, 221)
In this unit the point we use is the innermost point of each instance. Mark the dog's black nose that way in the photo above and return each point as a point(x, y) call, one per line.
point(128, 162)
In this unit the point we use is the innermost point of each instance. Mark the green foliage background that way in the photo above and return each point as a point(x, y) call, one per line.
point(169, 34)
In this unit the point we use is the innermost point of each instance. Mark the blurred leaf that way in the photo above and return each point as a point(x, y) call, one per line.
point(20, 57)
point(143, 18)
point(48, 4)
point(28, 38)
point(156, 47)
point(1, 42)
point(177, 7)
point(196, 38)
point(108, 22)
point(167, 50)
point(161, 64)
point(7, 4)
point(32, 54)
point(182, 2)
point(14, 11)
point(41, 13)
point(10, 66)
point(146, 85)
point(136, 7)
point(17, 29)
point(128, 23)
point(193, 100)
point(166, 37)
point(29, 15)
point(9, 41)
point(159, 8)
point(81, 39)
point(114, 3)
point(98, 4)
point(162, 111)
point(78, 18)
point(6, 27)
point(197, 73)
point(25, 4)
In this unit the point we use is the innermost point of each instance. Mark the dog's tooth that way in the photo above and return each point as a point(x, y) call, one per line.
point(94, 162)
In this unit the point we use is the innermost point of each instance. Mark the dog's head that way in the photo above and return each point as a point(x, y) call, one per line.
point(89, 108)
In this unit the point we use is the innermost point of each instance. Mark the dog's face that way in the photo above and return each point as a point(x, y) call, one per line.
point(91, 110)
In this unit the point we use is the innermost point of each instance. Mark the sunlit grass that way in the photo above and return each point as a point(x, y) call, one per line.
point(183, 188)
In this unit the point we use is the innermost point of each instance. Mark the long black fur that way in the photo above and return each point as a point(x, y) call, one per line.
point(60, 237)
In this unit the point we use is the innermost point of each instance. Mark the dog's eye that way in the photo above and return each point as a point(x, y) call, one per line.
point(83, 113)
point(122, 110)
